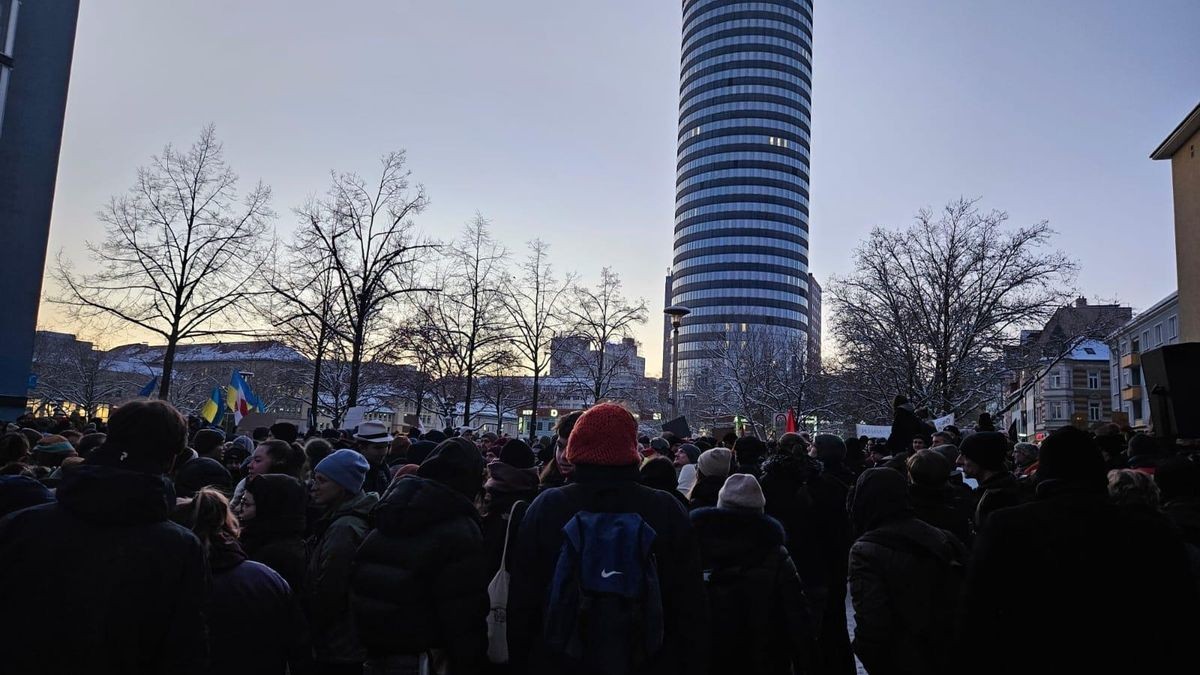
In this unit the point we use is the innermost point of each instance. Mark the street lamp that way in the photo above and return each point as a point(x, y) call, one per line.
point(676, 312)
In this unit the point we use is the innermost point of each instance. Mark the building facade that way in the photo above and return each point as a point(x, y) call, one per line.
point(1153, 328)
point(1180, 148)
point(814, 325)
point(37, 40)
point(741, 213)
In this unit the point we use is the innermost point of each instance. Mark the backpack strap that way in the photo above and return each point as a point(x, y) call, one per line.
point(508, 531)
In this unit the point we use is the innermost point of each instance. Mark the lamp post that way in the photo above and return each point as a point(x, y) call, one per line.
point(676, 312)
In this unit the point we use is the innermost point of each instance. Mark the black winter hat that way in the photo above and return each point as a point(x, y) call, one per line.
point(434, 436)
point(879, 495)
point(692, 452)
point(417, 452)
point(456, 462)
point(517, 454)
point(285, 431)
point(1071, 455)
point(201, 472)
point(748, 448)
point(280, 502)
point(985, 448)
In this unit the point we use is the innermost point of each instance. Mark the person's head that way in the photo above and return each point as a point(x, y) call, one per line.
point(1127, 487)
point(659, 473)
point(792, 444)
point(604, 435)
point(457, 463)
point(741, 492)
point(516, 454)
point(270, 457)
point(716, 463)
point(209, 517)
point(14, 447)
point(1144, 445)
point(1069, 455)
point(208, 442)
point(928, 468)
point(399, 447)
point(72, 436)
point(89, 443)
point(51, 450)
point(950, 452)
point(562, 434)
point(143, 435)
point(879, 496)
point(660, 447)
point(232, 456)
point(686, 453)
point(199, 473)
point(284, 431)
point(1178, 478)
point(373, 440)
point(338, 477)
point(982, 454)
point(749, 449)
point(1025, 453)
point(918, 443)
point(940, 438)
point(317, 449)
point(274, 500)
point(260, 434)
point(829, 448)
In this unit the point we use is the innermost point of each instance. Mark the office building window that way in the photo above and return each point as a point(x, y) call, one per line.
point(1094, 411)
point(1093, 379)
point(1158, 334)
point(1173, 327)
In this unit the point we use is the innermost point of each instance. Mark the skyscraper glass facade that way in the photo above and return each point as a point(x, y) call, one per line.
point(741, 205)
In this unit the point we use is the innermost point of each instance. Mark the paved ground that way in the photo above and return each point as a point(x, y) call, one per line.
point(850, 624)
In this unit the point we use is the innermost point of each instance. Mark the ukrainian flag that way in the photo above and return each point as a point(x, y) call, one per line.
point(214, 408)
point(239, 397)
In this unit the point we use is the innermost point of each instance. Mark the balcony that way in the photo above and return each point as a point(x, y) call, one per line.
point(1131, 393)
point(1131, 360)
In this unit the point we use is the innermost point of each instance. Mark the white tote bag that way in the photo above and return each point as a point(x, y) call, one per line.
point(498, 594)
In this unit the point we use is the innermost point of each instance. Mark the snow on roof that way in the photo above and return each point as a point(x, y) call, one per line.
point(1090, 350)
point(258, 350)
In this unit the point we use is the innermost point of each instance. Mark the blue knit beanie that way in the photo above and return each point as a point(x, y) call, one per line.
point(346, 468)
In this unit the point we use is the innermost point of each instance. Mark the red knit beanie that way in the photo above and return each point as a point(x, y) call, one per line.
point(605, 435)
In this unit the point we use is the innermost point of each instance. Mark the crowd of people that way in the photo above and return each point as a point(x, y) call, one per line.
point(148, 544)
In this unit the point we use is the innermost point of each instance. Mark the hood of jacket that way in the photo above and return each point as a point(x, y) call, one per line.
point(727, 536)
point(109, 496)
point(507, 478)
point(879, 496)
point(456, 463)
point(414, 503)
point(799, 469)
point(280, 504)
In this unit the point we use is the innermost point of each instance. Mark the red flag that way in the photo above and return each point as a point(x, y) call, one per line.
point(790, 425)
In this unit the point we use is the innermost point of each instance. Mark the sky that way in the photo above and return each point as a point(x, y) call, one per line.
point(556, 119)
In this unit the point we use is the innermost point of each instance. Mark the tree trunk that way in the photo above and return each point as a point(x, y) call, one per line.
point(315, 397)
point(356, 351)
point(537, 383)
point(164, 384)
point(599, 374)
point(466, 419)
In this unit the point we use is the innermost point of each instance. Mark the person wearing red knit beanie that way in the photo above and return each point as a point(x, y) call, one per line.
point(603, 448)
point(605, 435)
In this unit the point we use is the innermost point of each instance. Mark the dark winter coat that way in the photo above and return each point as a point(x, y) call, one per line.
point(504, 487)
point(999, 491)
point(704, 493)
point(660, 474)
point(102, 581)
point(904, 578)
point(255, 625)
point(331, 550)
point(785, 483)
point(420, 578)
point(612, 490)
point(378, 477)
point(1048, 566)
point(939, 508)
point(759, 614)
point(275, 536)
point(905, 427)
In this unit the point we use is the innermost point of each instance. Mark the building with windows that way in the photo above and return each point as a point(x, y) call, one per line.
point(1180, 148)
point(1151, 329)
point(37, 40)
point(741, 212)
point(814, 325)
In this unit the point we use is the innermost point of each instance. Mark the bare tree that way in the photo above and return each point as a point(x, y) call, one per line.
point(75, 372)
point(598, 316)
point(180, 253)
point(930, 308)
point(364, 235)
point(533, 300)
point(465, 317)
point(503, 392)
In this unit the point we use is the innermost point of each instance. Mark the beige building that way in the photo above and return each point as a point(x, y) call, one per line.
point(1180, 147)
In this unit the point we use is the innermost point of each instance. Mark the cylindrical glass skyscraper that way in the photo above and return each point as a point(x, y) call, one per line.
point(741, 205)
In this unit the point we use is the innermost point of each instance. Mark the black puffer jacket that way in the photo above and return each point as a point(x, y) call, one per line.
point(759, 613)
point(420, 578)
point(704, 493)
point(105, 558)
point(905, 582)
point(939, 508)
point(905, 426)
point(785, 482)
point(275, 536)
point(613, 490)
point(505, 486)
point(999, 491)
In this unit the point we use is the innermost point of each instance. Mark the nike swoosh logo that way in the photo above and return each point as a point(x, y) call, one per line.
point(604, 574)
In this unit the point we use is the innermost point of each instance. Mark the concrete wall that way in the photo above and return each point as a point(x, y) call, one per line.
point(1185, 175)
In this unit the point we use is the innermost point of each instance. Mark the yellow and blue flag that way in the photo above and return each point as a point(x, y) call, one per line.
point(214, 408)
point(240, 398)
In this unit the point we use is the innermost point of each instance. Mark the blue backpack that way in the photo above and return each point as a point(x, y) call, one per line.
point(605, 606)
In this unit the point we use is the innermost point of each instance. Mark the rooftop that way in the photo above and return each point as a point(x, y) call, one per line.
point(1186, 129)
